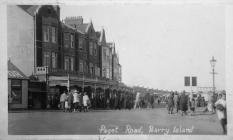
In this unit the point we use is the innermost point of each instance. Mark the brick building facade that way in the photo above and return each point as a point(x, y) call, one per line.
point(66, 54)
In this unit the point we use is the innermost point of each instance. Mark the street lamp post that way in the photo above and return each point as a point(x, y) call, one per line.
point(213, 62)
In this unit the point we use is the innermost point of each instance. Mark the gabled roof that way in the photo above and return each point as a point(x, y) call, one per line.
point(98, 33)
point(30, 9)
point(67, 26)
point(82, 28)
point(70, 27)
point(14, 72)
point(85, 27)
point(102, 38)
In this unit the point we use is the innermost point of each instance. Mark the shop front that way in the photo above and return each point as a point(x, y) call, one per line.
point(17, 88)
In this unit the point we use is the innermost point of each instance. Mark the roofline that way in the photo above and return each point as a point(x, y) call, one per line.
point(18, 78)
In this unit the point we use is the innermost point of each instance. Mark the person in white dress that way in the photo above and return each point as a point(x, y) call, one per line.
point(62, 100)
point(86, 101)
point(221, 111)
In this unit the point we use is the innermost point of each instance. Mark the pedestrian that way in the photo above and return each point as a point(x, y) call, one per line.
point(86, 102)
point(214, 100)
point(192, 106)
point(176, 102)
point(170, 103)
point(210, 104)
point(76, 100)
point(199, 100)
point(108, 103)
point(183, 103)
point(79, 101)
point(66, 104)
point(222, 112)
point(158, 100)
point(70, 101)
point(62, 100)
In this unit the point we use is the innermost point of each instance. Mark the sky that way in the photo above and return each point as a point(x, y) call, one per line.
point(160, 44)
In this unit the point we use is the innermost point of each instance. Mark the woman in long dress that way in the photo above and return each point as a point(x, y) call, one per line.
point(183, 103)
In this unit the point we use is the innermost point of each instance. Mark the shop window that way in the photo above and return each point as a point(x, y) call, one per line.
point(16, 91)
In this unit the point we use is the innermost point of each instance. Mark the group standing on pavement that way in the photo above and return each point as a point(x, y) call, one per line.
point(74, 101)
point(71, 101)
point(183, 103)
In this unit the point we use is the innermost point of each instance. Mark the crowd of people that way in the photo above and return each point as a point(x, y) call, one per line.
point(177, 103)
point(71, 101)
point(182, 103)
point(74, 101)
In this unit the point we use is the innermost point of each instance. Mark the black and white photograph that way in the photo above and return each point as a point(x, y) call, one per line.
point(103, 71)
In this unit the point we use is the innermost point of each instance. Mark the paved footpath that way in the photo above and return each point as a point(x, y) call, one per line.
point(140, 121)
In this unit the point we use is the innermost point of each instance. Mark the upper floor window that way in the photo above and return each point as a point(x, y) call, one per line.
point(95, 49)
point(46, 59)
point(80, 65)
point(71, 40)
point(66, 63)
point(97, 71)
point(90, 48)
point(85, 66)
point(92, 69)
point(80, 43)
point(45, 33)
point(72, 63)
point(49, 33)
point(104, 72)
point(54, 35)
point(54, 60)
point(66, 40)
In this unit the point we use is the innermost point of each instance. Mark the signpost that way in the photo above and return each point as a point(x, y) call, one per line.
point(190, 81)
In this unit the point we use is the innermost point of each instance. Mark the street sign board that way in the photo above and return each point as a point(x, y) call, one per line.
point(187, 81)
point(194, 81)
